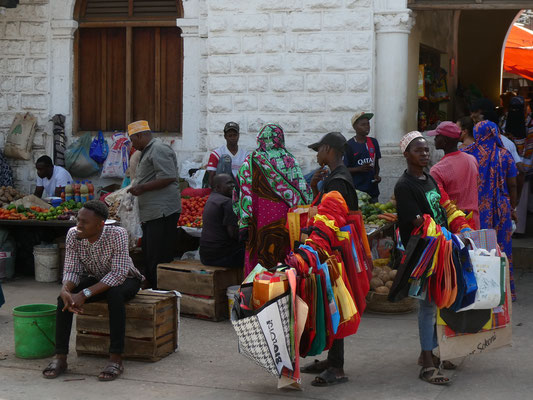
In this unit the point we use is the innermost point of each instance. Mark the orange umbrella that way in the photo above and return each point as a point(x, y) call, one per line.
point(518, 57)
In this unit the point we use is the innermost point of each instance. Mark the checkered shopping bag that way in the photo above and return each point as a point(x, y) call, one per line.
point(265, 337)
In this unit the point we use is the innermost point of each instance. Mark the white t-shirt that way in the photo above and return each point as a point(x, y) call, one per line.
point(236, 160)
point(59, 178)
point(511, 147)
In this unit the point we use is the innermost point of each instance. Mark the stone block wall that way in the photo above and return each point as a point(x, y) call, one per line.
point(306, 64)
point(25, 78)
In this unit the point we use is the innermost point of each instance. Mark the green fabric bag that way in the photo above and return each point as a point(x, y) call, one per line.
point(319, 342)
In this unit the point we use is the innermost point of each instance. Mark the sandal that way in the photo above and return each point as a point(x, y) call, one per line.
point(329, 377)
point(57, 366)
point(112, 370)
point(436, 361)
point(436, 378)
point(316, 367)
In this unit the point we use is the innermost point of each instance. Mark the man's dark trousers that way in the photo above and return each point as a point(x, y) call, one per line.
point(116, 297)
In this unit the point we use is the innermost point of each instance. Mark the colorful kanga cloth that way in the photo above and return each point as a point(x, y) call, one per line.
point(495, 166)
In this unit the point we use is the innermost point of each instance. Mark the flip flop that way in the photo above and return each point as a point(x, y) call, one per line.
point(436, 378)
point(316, 367)
point(329, 377)
point(436, 360)
point(57, 366)
point(113, 370)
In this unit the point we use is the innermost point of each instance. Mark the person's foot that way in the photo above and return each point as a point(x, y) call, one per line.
point(433, 375)
point(111, 371)
point(436, 362)
point(55, 368)
point(330, 376)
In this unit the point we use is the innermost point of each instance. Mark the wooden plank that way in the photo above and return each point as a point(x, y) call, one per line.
point(89, 68)
point(135, 328)
point(210, 308)
point(157, 79)
point(103, 82)
point(116, 79)
point(132, 310)
point(171, 79)
point(143, 88)
point(193, 265)
point(186, 282)
point(98, 344)
point(128, 83)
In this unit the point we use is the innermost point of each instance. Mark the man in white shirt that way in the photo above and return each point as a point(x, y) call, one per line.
point(226, 154)
point(51, 179)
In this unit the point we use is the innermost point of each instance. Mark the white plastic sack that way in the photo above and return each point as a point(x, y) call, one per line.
point(129, 218)
point(488, 270)
point(116, 163)
point(186, 166)
point(196, 181)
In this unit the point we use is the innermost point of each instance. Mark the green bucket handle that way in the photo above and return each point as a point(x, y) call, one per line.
point(43, 332)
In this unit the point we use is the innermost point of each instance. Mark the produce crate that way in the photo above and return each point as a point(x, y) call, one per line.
point(203, 288)
point(151, 327)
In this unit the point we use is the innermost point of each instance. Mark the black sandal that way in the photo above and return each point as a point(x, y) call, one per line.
point(316, 367)
point(112, 370)
point(57, 366)
point(329, 377)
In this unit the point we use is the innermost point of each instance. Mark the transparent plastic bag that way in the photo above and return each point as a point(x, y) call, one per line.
point(129, 218)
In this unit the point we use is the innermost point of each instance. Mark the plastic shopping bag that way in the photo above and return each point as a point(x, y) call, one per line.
point(116, 163)
point(129, 217)
point(99, 148)
point(77, 159)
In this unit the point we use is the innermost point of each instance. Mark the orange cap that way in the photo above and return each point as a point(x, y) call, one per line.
point(138, 126)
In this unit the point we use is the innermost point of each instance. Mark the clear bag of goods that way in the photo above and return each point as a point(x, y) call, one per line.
point(77, 159)
point(116, 163)
point(128, 213)
point(20, 137)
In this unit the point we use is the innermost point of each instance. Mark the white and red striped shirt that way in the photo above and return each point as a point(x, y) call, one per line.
point(107, 259)
point(236, 160)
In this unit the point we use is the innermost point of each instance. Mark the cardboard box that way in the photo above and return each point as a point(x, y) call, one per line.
point(151, 327)
point(203, 288)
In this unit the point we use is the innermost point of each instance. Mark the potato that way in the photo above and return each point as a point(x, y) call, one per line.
point(384, 276)
point(388, 284)
point(392, 274)
point(386, 268)
point(375, 282)
point(382, 290)
point(376, 271)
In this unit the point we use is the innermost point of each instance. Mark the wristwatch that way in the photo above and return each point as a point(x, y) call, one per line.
point(87, 292)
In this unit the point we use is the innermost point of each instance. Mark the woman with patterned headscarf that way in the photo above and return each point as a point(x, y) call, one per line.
point(271, 182)
point(497, 194)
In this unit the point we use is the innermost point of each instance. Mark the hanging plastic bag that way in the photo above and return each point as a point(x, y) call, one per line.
point(116, 163)
point(77, 159)
point(99, 148)
point(129, 217)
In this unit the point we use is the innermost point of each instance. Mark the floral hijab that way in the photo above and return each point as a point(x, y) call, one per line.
point(280, 170)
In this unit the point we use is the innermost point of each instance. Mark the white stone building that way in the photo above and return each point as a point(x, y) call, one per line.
point(306, 64)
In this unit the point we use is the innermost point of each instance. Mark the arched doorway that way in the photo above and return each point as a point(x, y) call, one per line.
point(128, 63)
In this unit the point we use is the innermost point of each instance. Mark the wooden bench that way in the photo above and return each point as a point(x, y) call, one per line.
point(151, 327)
point(203, 288)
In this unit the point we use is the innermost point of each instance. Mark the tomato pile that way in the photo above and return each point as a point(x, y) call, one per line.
point(191, 211)
point(21, 213)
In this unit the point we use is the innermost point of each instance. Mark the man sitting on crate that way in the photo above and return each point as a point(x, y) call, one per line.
point(97, 267)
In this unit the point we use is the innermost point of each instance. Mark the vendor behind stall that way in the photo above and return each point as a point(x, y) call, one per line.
point(51, 179)
point(219, 244)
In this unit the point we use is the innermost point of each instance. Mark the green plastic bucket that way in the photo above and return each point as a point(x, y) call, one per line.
point(35, 330)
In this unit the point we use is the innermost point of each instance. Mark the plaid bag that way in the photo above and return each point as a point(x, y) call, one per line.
point(265, 337)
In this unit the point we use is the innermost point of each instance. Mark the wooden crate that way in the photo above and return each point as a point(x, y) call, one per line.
point(193, 279)
point(151, 327)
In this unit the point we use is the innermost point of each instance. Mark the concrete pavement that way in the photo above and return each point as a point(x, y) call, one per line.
point(380, 362)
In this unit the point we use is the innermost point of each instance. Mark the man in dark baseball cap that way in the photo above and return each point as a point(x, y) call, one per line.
point(227, 159)
point(330, 151)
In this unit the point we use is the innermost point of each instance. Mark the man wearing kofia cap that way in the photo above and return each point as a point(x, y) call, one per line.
point(156, 186)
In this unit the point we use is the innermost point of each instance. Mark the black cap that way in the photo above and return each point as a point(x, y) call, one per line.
point(335, 140)
point(231, 126)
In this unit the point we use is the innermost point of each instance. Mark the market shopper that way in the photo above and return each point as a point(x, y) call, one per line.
point(457, 172)
point(330, 150)
point(156, 187)
point(497, 194)
point(417, 193)
point(51, 179)
point(270, 183)
point(466, 125)
point(362, 156)
point(97, 267)
point(219, 243)
point(229, 157)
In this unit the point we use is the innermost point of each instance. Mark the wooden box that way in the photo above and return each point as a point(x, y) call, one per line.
point(151, 327)
point(203, 288)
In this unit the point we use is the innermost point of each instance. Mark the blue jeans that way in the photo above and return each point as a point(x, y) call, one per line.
point(427, 316)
